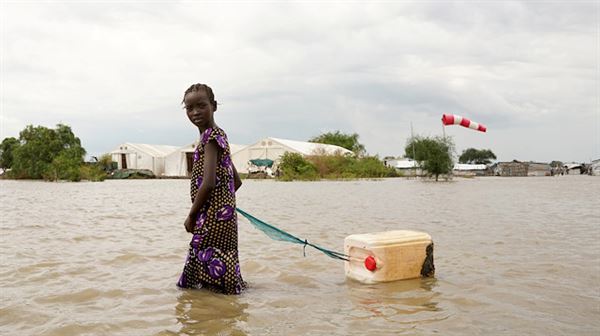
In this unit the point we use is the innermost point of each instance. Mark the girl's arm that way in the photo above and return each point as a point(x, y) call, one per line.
point(211, 153)
point(237, 181)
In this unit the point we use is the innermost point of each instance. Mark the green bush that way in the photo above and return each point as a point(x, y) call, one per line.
point(294, 166)
point(92, 172)
point(332, 166)
point(371, 166)
point(105, 162)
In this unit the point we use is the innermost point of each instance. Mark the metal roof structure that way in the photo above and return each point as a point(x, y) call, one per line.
point(312, 148)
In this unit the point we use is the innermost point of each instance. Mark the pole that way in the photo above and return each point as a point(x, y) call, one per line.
point(412, 138)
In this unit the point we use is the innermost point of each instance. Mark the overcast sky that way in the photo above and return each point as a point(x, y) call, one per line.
point(116, 71)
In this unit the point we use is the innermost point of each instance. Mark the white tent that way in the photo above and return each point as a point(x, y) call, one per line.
point(233, 148)
point(407, 166)
point(142, 156)
point(179, 162)
point(469, 167)
point(401, 163)
point(596, 167)
point(274, 148)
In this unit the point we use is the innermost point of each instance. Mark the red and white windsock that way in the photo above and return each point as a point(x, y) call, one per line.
point(452, 119)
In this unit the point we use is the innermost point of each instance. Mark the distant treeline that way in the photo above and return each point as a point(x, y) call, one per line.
point(57, 154)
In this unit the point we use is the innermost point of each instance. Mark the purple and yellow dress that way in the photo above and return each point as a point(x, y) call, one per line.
point(212, 261)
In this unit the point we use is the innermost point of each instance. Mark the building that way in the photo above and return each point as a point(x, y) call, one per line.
point(465, 169)
point(595, 170)
point(513, 168)
point(572, 168)
point(142, 156)
point(538, 169)
point(406, 167)
point(179, 162)
point(273, 148)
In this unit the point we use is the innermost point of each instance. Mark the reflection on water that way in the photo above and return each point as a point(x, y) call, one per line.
point(201, 312)
point(512, 256)
point(407, 302)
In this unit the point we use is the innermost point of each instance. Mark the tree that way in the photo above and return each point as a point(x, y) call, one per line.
point(348, 141)
point(65, 166)
point(7, 148)
point(47, 153)
point(556, 164)
point(433, 154)
point(478, 156)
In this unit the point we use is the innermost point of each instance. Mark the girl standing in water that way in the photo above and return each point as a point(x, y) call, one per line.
point(212, 261)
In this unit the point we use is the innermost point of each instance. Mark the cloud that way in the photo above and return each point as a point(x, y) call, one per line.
point(117, 71)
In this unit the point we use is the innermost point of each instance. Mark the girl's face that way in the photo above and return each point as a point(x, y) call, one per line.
point(199, 109)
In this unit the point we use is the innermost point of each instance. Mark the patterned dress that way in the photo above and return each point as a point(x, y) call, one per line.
point(212, 261)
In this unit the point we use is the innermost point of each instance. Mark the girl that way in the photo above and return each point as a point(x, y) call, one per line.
point(212, 261)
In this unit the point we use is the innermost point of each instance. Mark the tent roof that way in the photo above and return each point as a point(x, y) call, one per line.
point(403, 164)
point(233, 148)
point(192, 147)
point(466, 166)
point(310, 148)
point(154, 150)
point(572, 165)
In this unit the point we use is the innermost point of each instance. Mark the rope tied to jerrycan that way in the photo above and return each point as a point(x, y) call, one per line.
point(280, 235)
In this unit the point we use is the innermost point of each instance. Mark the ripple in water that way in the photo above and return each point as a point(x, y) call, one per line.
point(513, 256)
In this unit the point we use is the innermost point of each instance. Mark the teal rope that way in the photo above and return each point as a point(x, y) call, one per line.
point(278, 234)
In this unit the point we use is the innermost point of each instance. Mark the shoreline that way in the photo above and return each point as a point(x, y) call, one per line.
point(375, 179)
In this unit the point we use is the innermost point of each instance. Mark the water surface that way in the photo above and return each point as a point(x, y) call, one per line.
point(512, 256)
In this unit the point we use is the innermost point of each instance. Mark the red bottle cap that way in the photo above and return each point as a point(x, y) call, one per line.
point(370, 263)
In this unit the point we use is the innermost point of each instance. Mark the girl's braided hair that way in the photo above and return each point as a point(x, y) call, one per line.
point(206, 88)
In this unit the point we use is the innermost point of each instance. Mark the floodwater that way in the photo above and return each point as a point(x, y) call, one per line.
point(513, 256)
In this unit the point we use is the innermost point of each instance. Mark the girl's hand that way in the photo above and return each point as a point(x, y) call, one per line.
point(189, 224)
